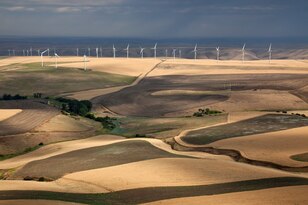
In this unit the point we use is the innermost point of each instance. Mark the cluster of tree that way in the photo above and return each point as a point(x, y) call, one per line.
point(37, 95)
point(205, 112)
point(13, 97)
point(75, 107)
point(107, 122)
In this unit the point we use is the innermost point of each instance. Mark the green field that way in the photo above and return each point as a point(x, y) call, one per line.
point(300, 157)
point(163, 127)
point(31, 78)
point(257, 125)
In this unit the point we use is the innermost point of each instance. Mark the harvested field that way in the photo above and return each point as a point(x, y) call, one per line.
point(7, 113)
point(258, 125)
point(146, 195)
point(33, 114)
point(281, 147)
point(91, 158)
point(141, 100)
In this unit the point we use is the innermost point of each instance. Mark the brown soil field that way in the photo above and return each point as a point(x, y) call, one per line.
point(33, 115)
point(36, 202)
point(7, 113)
point(140, 101)
point(91, 158)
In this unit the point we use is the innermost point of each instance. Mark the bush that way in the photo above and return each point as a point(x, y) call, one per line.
point(11, 97)
point(75, 107)
point(206, 111)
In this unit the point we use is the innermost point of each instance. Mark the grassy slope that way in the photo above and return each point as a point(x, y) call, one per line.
point(163, 127)
point(258, 125)
point(300, 157)
point(49, 80)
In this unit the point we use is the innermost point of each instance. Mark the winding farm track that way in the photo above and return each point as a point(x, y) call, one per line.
point(33, 114)
point(95, 94)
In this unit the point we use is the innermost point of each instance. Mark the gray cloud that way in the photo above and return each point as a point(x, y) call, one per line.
point(159, 18)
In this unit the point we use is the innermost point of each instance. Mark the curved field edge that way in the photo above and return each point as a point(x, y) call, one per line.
point(151, 194)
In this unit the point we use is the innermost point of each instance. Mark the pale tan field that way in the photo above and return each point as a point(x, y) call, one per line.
point(7, 113)
point(63, 123)
point(260, 100)
point(207, 67)
point(171, 172)
point(275, 147)
point(273, 196)
point(35, 202)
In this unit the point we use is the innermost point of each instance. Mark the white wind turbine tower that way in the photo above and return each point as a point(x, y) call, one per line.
point(195, 51)
point(27, 52)
point(9, 52)
point(180, 53)
point(23, 52)
point(155, 49)
point(141, 52)
point(56, 58)
point(114, 51)
point(101, 51)
point(96, 52)
point(166, 51)
point(174, 52)
point(127, 51)
point(31, 51)
point(89, 51)
point(270, 53)
point(243, 52)
point(84, 62)
point(42, 60)
point(13, 52)
point(218, 53)
point(38, 52)
point(48, 52)
point(77, 52)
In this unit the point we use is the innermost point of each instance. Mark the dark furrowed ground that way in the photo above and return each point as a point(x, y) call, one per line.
point(258, 125)
point(151, 194)
point(92, 158)
point(139, 101)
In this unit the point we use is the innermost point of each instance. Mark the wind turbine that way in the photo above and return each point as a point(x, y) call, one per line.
point(42, 56)
point(27, 52)
point(89, 51)
point(127, 51)
point(101, 51)
point(243, 52)
point(38, 52)
point(180, 53)
point(141, 52)
point(166, 51)
point(218, 52)
point(77, 52)
point(96, 52)
point(174, 52)
point(114, 51)
point(56, 56)
point(195, 51)
point(270, 53)
point(48, 52)
point(31, 51)
point(23, 52)
point(9, 52)
point(84, 61)
point(13, 52)
point(154, 48)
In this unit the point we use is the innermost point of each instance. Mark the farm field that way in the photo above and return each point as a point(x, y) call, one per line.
point(177, 131)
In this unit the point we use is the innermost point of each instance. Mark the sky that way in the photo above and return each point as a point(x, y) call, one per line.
point(155, 18)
